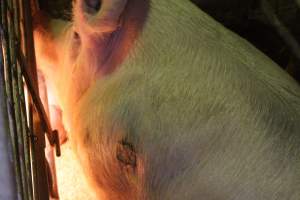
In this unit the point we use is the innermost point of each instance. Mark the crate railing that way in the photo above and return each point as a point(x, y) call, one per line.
point(23, 120)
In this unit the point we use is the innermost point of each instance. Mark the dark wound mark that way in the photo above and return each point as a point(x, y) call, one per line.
point(126, 155)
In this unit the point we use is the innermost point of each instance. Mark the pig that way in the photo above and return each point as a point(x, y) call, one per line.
point(160, 101)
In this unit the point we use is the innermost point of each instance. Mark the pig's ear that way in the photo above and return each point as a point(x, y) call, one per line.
point(98, 16)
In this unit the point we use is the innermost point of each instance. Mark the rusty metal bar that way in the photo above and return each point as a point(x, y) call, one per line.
point(52, 135)
point(40, 123)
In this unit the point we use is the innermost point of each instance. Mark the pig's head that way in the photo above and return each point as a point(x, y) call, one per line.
point(104, 39)
point(169, 95)
point(72, 55)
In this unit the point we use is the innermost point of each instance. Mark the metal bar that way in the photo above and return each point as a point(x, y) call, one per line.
point(26, 131)
point(8, 185)
point(13, 34)
point(32, 152)
point(41, 181)
point(40, 121)
point(49, 149)
point(52, 135)
point(8, 90)
point(23, 134)
point(30, 76)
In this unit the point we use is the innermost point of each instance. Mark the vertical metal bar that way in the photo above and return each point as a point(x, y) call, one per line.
point(31, 171)
point(49, 149)
point(23, 134)
point(13, 22)
point(8, 88)
point(38, 147)
point(32, 152)
point(8, 185)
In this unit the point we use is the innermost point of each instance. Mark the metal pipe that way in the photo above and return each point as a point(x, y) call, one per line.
point(8, 186)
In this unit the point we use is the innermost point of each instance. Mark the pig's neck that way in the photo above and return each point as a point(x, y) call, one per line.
point(147, 32)
point(70, 88)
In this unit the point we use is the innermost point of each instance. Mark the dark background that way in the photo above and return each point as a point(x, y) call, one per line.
point(273, 26)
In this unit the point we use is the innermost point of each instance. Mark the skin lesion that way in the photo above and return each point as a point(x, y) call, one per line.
point(185, 128)
point(126, 155)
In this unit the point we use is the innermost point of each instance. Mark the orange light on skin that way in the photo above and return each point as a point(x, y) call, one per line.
point(71, 181)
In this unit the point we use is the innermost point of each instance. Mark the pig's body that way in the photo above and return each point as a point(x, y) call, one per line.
point(206, 115)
